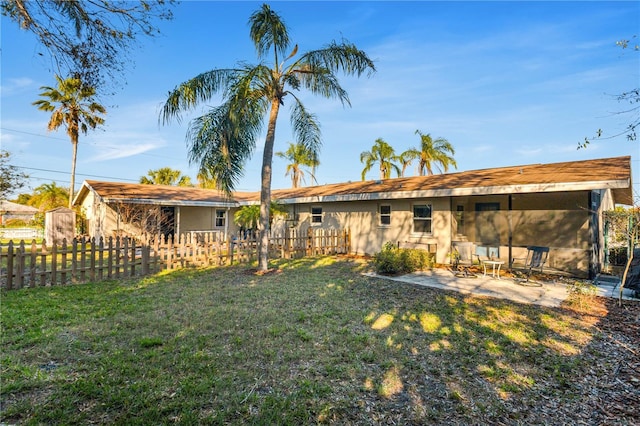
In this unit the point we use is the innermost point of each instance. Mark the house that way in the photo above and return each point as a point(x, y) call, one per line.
point(12, 211)
point(556, 205)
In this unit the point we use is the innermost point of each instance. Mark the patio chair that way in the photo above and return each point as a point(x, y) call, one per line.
point(536, 258)
point(462, 259)
point(483, 253)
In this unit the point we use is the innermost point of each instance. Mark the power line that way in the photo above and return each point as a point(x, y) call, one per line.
point(77, 174)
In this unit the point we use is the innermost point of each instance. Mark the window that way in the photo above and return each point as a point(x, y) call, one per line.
point(422, 218)
point(221, 218)
point(460, 219)
point(316, 214)
point(385, 215)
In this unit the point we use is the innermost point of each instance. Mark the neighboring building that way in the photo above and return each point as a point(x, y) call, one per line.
point(557, 205)
point(10, 211)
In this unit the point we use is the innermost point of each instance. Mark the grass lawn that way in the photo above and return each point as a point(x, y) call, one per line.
point(313, 342)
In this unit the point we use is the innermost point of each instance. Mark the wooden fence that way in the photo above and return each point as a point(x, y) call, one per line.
point(82, 260)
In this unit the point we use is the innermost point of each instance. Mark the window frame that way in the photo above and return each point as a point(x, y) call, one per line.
point(460, 225)
point(316, 215)
point(382, 216)
point(216, 218)
point(428, 220)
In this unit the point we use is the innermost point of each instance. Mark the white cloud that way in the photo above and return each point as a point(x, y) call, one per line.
point(16, 85)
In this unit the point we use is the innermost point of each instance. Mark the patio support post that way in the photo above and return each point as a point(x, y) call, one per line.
point(510, 222)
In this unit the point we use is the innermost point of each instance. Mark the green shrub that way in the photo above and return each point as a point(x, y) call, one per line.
point(392, 260)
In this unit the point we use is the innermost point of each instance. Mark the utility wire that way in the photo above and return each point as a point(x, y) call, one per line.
point(77, 174)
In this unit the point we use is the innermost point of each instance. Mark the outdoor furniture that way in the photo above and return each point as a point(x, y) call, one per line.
point(536, 258)
point(486, 252)
point(495, 267)
point(462, 259)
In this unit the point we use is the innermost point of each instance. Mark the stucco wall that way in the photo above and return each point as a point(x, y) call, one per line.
point(368, 235)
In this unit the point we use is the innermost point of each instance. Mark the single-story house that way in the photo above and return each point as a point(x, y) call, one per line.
point(556, 205)
point(13, 211)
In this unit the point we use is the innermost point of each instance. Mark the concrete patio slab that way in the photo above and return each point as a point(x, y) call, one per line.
point(547, 294)
point(550, 294)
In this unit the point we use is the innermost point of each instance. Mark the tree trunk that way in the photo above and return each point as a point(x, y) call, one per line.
point(74, 154)
point(265, 189)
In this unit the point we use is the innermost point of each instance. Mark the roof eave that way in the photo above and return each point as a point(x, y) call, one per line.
point(459, 192)
point(175, 203)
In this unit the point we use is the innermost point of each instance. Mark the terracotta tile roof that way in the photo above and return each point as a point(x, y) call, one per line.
point(614, 173)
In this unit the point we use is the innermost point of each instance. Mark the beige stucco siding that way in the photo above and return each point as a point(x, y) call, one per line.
point(362, 218)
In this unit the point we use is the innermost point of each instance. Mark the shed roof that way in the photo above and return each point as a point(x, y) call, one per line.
point(606, 173)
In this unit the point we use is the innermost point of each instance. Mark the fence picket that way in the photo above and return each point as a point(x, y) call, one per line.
point(85, 259)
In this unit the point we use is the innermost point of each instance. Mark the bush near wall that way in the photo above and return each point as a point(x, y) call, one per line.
point(393, 260)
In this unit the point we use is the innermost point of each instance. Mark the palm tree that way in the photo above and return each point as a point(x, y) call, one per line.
point(223, 139)
point(298, 155)
point(248, 217)
point(431, 152)
point(166, 176)
point(49, 196)
point(72, 106)
point(381, 153)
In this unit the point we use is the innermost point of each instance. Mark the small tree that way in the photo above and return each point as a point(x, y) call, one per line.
point(166, 176)
point(383, 154)
point(299, 155)
point(11, 178)
point(248, 217)
point(430, 153)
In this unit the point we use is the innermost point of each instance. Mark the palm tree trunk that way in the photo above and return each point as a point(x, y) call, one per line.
point(74, 155)
point(265, 190)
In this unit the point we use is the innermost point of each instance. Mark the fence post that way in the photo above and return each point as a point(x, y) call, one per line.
point(83, 259)
point(32, 264)
point(10, 260)
point(20, 265)
point(92, 260)
point(54, 263)
point(145, 259)
point(74, 260)
point(43, 264)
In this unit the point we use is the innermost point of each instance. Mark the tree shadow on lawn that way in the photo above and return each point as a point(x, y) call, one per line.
point(316, 342)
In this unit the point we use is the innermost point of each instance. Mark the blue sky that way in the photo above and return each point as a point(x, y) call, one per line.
point(507, 83)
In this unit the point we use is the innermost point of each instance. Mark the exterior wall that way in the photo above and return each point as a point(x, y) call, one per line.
point(204, 219)
point(369, 235)
point(560, 221)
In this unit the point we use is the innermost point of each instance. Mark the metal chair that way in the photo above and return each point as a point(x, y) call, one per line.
point(462, 259)
point(536, 258)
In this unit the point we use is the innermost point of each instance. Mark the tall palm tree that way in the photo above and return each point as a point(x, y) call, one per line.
point(166, 176)
point(431, 153)
point(383, 154)
point(73, 106)
point(223, 139)
point(299, 155)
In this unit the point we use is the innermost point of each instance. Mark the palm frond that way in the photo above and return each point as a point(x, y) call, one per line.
point(268, 31)
point(344, 57)
point(190, 93)
point(321, 81)
point(306, 128)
